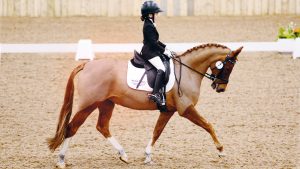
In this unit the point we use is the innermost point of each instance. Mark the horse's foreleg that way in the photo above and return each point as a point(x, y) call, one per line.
point(159, 127)
point(105, 113)
point(71, 130)
point(192, 114)
point(62, 153)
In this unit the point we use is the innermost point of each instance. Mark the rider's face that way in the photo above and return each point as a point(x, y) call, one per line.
point(151, 15)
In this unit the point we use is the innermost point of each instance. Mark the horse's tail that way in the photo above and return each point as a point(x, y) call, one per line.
point(65, 112)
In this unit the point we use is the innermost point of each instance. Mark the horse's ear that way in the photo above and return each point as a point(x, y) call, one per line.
point(237, 52)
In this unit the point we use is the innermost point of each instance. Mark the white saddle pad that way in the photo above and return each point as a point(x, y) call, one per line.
point(135, 74)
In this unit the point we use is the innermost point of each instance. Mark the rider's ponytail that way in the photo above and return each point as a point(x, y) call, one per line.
point(144, 17)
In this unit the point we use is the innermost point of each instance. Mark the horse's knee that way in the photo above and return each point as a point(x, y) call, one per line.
point(103, 130)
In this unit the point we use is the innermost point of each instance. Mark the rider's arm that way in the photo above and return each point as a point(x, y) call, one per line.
point(166, 51)
point(151, 38)
point(161, 44)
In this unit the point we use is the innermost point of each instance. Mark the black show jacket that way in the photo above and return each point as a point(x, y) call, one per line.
point(152, 46)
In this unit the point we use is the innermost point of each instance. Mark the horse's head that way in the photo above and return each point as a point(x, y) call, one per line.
point(221, 70)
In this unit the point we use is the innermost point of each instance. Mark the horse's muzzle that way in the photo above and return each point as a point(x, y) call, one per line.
point(220, 90)
point(218, 87)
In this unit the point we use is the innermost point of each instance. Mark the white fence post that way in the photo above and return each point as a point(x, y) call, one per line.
point(285, 45)
point(296, 52)
point(85, 50)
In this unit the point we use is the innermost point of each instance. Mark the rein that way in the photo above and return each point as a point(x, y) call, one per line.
point(209, 76)
point(212, 77)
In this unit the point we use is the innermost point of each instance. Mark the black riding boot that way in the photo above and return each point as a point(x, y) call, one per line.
point(158, 84)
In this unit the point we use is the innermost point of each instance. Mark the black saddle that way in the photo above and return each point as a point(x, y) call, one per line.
point(150, 70)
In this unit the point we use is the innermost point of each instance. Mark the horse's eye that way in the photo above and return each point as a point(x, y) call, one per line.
point(219, 65)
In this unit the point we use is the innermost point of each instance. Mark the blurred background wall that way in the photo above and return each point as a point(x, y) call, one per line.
point(113, 8)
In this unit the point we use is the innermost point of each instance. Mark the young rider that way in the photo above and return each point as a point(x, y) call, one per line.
point(153, 50)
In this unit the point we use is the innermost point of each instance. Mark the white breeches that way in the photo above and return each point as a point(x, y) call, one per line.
point(157, 63)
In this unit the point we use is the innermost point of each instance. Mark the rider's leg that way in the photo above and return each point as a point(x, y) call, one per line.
point(158, 84)
point(157, 63)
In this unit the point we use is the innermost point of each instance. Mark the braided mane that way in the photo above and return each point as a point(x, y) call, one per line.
point(203, 46)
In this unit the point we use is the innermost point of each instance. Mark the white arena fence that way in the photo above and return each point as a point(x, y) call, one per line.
point(115, 8)
point(86, 50)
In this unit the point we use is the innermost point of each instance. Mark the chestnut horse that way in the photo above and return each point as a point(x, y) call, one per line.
point(102, 84)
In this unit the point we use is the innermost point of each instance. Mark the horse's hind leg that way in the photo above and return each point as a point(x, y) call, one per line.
point(71, 130)
point(105, 113)
point(162, 121)
point(192, 114)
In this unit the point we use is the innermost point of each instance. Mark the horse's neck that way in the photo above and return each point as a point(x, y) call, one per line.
point(201, 59)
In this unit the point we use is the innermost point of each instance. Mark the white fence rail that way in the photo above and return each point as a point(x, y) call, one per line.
point(129, 47)
point(292, 47)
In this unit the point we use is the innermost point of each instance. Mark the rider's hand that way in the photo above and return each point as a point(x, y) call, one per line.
point(173, 54)
point(168, 53)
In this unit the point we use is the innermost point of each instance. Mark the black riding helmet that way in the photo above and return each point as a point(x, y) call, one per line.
point(149, 7)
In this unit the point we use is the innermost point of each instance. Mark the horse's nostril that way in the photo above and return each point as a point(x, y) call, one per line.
point(214, 85)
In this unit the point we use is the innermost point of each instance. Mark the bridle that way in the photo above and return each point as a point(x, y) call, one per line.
point(213, 77)
point(223, 70)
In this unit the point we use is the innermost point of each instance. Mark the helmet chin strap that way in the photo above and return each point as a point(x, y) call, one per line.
point(153, 17)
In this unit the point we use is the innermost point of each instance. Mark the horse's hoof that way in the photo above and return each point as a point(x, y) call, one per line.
point(221, 154)
point(148, 160)
point(60, 165)
point(123, 156)
point(124, 159)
